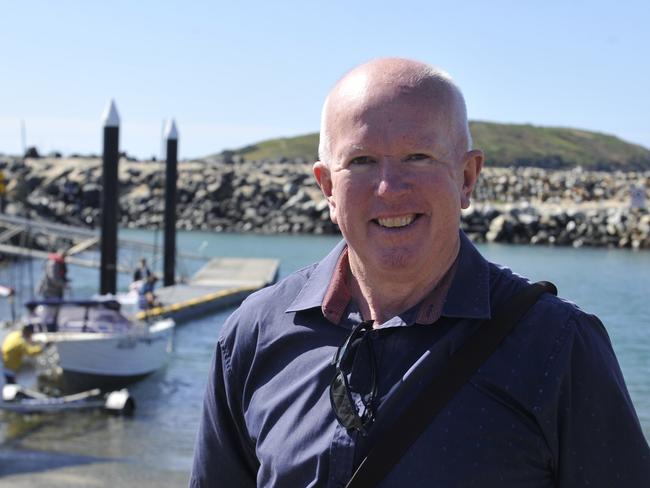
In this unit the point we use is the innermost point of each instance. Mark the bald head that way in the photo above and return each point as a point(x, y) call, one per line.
point(390, 80)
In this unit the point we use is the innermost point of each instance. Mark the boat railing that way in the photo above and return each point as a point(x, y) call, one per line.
point(78, 317)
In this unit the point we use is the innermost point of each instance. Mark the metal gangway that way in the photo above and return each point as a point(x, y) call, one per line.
point(83, 239)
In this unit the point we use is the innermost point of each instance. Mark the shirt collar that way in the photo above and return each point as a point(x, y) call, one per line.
point(338, 295)
point(468, 295)
point(313, 291)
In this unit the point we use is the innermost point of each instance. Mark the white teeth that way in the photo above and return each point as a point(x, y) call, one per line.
point(397, 221)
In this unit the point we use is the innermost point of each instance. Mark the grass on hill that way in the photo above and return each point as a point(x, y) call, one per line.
point(305, 146)
point(553, 147)
point(503, 145)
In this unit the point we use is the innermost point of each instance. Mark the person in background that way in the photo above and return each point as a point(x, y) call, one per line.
point(52, 286)
point(55, 277)
point(15, 347)
point(146, 297)
point(3, 191)
point(309, 373)
point(142, 271)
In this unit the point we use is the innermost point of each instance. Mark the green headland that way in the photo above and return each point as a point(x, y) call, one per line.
point(503, 144)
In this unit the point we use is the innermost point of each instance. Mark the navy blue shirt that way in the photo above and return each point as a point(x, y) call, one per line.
point(548, 408)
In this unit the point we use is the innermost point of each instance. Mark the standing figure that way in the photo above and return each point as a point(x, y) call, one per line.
point(146, 297)
point(52, 285)
point(3, 191)
point(55, 278)
point(309, 373)
point(142, 271)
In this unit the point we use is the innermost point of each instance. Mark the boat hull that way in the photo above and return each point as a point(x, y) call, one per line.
point(109, 361)
point(72, 382)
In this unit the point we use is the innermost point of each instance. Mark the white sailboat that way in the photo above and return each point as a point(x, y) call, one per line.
point(92, 344)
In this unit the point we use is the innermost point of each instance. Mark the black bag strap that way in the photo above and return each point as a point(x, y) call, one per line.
point(396, 440)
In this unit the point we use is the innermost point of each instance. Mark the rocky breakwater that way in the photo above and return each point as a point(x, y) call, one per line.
point(525, 224)
point(266, 197)
point(568, 208)
point(526, 205)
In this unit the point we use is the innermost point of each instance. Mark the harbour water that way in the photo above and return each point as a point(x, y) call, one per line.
point(154, 447)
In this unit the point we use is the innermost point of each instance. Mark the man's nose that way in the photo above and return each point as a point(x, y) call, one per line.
point(393, 180)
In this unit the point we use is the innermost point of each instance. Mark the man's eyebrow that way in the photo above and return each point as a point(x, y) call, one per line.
point(346, 151)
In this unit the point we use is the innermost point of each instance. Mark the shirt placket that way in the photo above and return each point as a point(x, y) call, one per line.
point(344, 442)
point(341, 458)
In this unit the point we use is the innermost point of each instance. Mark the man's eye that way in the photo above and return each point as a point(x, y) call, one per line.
point(361, 160)
point(417, 157)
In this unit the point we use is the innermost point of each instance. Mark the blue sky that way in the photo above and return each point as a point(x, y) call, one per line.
point(233, 73)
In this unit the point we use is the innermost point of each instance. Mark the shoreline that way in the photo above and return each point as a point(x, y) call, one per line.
point(510, 205)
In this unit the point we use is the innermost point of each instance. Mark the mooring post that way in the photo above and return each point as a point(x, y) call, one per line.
point(110, 161)
point(171, 134)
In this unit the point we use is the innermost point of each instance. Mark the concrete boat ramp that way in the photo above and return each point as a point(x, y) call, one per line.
point(221, 283)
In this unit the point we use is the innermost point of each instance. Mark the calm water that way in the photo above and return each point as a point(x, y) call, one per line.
point(614, 284)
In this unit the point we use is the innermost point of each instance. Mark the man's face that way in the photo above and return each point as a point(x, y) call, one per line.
point(395, 183)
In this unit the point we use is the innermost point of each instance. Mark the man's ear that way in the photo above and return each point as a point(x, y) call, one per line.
point(323, 176)
point(472, 166)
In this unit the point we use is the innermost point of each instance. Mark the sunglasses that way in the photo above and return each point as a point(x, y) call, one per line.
point(345, 409)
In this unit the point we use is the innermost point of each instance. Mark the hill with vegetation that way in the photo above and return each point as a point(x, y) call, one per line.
point(503, 144)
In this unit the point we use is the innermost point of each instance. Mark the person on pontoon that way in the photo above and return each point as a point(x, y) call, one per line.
point(55, 278)
point(140, 275)
point(52, 285)
point(15, 347)
point(146, 296)
point(142, 271)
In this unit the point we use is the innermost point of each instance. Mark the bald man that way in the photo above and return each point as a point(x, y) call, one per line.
point(548, 409)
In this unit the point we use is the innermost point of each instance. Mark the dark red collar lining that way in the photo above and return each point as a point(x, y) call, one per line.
point(338, 294)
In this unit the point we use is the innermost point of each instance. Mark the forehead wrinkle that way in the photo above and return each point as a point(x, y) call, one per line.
point(370, 135)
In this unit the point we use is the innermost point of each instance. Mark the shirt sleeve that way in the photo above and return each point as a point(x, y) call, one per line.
point(601, 443)
point(32, 349)
point(223, 457)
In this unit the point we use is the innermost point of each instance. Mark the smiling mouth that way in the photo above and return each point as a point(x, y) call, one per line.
point(396, 222)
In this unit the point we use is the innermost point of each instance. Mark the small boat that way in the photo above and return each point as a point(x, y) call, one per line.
point(18, 399)
point(6, 291)
point(93, 345)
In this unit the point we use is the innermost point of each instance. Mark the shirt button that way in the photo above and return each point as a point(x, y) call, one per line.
point(374, 334)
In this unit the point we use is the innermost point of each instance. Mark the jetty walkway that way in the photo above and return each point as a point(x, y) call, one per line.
point(81, 239)
point(221, 283)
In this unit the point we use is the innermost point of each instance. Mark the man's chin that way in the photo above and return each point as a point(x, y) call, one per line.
point(394, 260)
